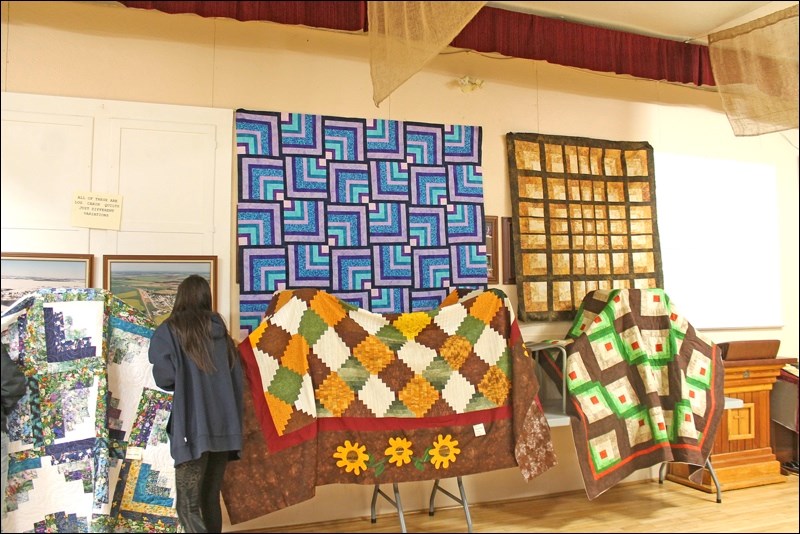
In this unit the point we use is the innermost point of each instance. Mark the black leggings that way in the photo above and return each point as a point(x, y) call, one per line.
point(198, 484)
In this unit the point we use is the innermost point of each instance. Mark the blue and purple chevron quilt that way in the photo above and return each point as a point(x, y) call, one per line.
point(386, 215)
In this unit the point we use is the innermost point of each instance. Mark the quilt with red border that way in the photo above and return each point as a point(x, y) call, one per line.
point(339, 394)
point(644, 386)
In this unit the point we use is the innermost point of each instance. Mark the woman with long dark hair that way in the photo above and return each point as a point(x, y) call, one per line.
point(194, 356)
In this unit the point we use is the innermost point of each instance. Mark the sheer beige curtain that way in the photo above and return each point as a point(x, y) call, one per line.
point(404, 36)
point(755, 67)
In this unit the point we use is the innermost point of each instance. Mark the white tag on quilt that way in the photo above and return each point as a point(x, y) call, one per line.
point(134, 453)
point(479, 429)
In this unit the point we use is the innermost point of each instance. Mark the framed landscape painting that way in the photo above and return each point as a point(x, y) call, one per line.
point(149, 283)
point(26, 272)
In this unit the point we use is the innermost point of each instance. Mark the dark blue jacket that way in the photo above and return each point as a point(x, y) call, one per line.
point(206, 407)
point(13, 385)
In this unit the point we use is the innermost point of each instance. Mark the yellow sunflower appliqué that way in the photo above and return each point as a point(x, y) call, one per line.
point(399, 451)
point(351, 457)
point(444, 451)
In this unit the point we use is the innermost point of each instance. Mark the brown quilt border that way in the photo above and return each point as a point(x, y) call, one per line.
point(583, 218)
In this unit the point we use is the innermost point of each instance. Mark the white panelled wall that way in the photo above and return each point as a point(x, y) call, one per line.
point(171, 165)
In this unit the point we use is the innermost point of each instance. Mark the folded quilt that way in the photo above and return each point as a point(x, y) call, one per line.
point(644, 386)
point(340, 394)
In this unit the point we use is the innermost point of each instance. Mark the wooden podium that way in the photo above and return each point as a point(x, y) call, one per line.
point(742, 456)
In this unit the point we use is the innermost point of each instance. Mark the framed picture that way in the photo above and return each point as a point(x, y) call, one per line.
point(509, 267)
point(491, 249)
point(26, 272)
point(149, 283)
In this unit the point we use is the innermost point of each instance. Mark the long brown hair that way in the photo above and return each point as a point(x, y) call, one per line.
point(190, 320)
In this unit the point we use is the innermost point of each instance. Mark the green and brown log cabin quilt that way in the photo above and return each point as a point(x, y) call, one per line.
point(644, 387)
point(338, 394)
point(583, 218)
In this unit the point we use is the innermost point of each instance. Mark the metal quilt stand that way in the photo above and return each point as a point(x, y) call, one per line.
point(462, 501)
point(394, 502)
point(399, 506)
point(730, 403)
point(662, 471)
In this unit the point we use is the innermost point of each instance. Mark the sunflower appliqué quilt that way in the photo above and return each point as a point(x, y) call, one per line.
point(340, 394)
point(644, 386)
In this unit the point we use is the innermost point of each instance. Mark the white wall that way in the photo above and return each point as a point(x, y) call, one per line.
point(169, 165)
point(109, 52)
point(742, 220)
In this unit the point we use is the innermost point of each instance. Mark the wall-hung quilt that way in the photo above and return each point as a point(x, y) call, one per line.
point(342, 395)
point(387, 215)
point(644, 386)
point(88, 445)
point(583, 218)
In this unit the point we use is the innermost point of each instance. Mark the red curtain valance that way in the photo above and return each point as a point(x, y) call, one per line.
point(348, 15)
point(494, 30)
point(588, 47)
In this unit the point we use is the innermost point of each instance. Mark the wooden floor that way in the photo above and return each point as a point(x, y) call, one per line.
point(634, 507)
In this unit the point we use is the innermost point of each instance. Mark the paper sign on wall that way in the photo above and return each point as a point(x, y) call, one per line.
point(95, 210)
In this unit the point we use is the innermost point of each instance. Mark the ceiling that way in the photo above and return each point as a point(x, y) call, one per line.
point(689, 22)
